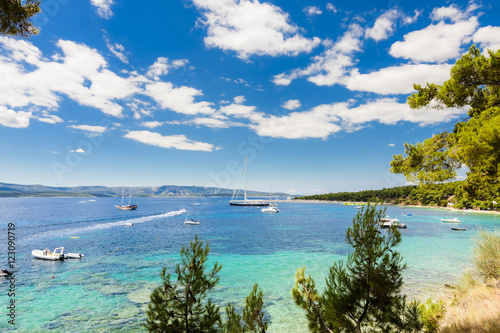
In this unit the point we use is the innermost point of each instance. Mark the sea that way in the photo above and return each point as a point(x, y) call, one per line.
point(108, 290)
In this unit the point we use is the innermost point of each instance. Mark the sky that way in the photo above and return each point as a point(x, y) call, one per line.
point(179, 92)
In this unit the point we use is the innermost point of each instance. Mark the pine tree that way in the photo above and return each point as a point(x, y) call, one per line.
point(365, 290)
point(182, 305)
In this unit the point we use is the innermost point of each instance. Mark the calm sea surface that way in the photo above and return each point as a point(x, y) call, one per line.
point(109, 289)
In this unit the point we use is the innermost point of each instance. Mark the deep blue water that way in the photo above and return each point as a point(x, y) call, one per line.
point(109, 289)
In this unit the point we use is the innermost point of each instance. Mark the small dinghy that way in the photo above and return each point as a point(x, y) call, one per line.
point(458, 229)
point(47, 255)
point(73, 256)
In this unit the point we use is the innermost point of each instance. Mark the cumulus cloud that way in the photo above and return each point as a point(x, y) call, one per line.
point(438, 42)
point(89, 128)
point(79, 151)
point(292, 104)
point(178, 99)
point(151, 124)
point(239, 99)
point(103, 7)
point(386, 23)
point(330, 66)
point(180, 142)
point(312, 10)
point(163, 65)
point(251, 28)
point(80, 73)
point(397, 79)
point(11, 118)
point(488, 37)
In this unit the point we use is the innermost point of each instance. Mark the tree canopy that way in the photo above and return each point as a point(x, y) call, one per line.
point(15, 17)
point(474, 141)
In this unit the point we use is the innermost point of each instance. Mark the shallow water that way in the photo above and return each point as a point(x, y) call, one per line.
point(109, 289)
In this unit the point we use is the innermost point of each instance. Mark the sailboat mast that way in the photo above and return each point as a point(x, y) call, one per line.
point(130, 197)
point(246, 157)
point(122, 195)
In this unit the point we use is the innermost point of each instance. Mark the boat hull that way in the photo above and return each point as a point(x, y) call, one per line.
point(40, 255)
point(128, 207)
point(254, 204)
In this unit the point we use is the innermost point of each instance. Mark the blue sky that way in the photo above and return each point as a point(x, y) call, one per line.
point(179, 92)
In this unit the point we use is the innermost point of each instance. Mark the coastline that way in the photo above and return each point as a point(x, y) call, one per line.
point(495, 212)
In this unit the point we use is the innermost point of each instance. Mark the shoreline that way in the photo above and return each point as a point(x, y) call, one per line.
point(495, 212)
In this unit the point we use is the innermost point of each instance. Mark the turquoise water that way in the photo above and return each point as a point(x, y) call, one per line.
point(109, 289)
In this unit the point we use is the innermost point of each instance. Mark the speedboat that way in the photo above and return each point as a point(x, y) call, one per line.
point(384, 219)
point(192, 222)
point(270, 209)
point(47, 255)
point(455, 220)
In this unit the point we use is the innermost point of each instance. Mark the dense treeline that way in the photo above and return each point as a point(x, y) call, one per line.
point(442, 195)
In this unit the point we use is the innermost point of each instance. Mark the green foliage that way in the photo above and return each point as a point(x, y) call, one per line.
point(182, 305)
point(486, 251)
point(432, 314)
point(364, 291)
point(15, 16)
point(427, 162)
point(474, 142)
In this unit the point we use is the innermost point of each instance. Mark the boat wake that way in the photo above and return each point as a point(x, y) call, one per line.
point(77, 231)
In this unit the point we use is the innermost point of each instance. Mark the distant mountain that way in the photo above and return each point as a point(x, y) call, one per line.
point(15, 190)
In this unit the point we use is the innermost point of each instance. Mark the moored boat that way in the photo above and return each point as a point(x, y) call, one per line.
point(73, 256)
point(270, 209)
point(58, 254)
point(454, 220)
point(458, 229)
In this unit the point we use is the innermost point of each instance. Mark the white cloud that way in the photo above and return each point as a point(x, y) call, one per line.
point(162, 66)
point(239, 99)
point(331, 66)
point(386, 23)
point(50, 119)
point(391, 145)
point(327, 119)
point(452, 12)
point(103, 7)
point(171, 141)
point(11, 118)
point(178, 99)
point(117, 49)
point(331, 8)
point(312, 10)
point(488, 37)
point(152, 124)
point(80, 73)
point(251, 28)
point(435, 43)
point(292, 104)
point(211, 122)
point(79, 151)
point(89, 128)
point(397, 79)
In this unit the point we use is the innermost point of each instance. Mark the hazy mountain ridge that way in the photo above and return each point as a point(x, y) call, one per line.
point(16, 190)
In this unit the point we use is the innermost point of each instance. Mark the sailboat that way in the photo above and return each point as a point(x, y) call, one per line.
point(129, 206)
point(191, 221)
point(272, 207)
point(245, 201)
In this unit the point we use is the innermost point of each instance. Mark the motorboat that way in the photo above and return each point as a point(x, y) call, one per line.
point(58, 254)
point(458, 229)
point(454, 220)
point(387, 218)
point(192, 222)
point(73, 256)
point(270, 209)
point(4, 272)
point(392, 222)
point(128, 224)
